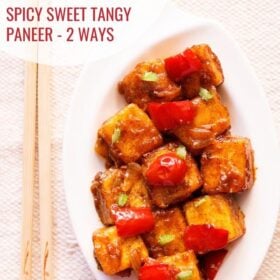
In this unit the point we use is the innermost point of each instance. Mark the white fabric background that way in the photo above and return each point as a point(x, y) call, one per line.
point(255, 25)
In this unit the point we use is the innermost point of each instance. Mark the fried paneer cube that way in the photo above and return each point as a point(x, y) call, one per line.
point(211, 119)
point(110, 186)
point(148, 82)
point(116, 254)
point(227, 165)
point(166, 238)
point(106, 189)
point(129, 134)
point(211, 73)
point(185, 261)
point(220, 211)
point(164, 196)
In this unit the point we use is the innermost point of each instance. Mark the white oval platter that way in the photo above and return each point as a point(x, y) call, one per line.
point(96, 99)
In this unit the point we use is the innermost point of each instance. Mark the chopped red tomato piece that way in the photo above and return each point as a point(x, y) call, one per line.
point(205, 238)
point(131, 221)
point(157, 272)
point(211, 263)
point(181, 65)
point(169, 115)
point(166, 170)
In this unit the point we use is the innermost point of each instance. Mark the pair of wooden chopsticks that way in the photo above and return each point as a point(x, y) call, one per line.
point(36, 99)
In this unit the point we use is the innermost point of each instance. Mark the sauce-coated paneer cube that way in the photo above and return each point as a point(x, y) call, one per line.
point(148, 82)
point(164, 196)
point(227, 165)
point(183, 262)
point(115, 186)
point(211, 119)
point(166, 238)
point(211, 73)
point(220, 211)
point(129, 134)
point(116, 254)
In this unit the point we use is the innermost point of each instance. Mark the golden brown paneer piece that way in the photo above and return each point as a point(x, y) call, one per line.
point(227, 165)
point(166, 238)
point(116, 254)
point(129, 134)
point(220, 211)
point(211, 73)
point(185, 261)
point(211, 119)
point(164, 196)
point(148, 82)
point(123, 186)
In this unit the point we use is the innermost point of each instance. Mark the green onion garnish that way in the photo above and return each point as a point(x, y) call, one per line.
point(150, 77)
point(185, 275)
point(165, 239)
point(198, 202)
point(116, 135)
point(122, 199)
point(181, 152)
point(205, 94)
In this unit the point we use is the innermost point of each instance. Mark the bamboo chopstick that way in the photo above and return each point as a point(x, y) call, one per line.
point(30, 92)
point(29, 146)
point(44, 142)
point(37, 78)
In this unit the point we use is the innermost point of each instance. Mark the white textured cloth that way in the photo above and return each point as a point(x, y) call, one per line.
point(255, 25)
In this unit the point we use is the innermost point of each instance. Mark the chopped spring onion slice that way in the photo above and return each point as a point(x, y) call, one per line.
point(205, 94)
point(150, 77)
point(165, 239)
point(181, 152)
point(116, 135)
point(185, 275)
point(122, 199)
point(198, 202)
